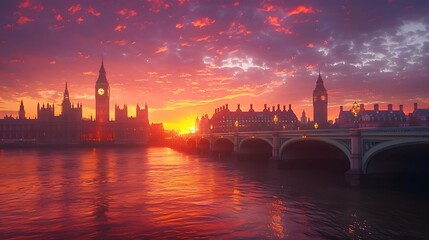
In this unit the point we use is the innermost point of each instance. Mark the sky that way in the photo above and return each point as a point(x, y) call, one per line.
point(184, 58)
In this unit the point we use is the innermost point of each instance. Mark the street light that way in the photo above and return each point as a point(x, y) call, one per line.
point(355, 110)
point(316, 125)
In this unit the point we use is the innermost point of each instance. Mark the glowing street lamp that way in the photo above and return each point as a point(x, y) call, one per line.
point(316, 125)
point(236, 125)
point(355, 110)
point(275, 119)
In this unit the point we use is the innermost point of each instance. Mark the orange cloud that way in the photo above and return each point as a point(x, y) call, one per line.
point(79, 20)
point(89, 73)
point(274, 21)
point(24, 4)
point(58, 17)
point(203, 22)
point(119, 28)
point(52, 62)
point(179, 25)
point(24, 20)
point(74, 9)
point(310, 45)
point(300, 9)
point(92, 11)
point(161, 50)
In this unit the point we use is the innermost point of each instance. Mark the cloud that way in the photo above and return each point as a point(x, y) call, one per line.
point(300, 9)
point(58, 17)
point(79, 20)
point(74, 9)
point(119, 28)
point(92, 11)
point(179, 25)
point(23, 20)
point(24, 4)
point(161, 50)
point(157, 5)
point(203, 22)
point(127, 13)
point(89, 73)
point(53, 62)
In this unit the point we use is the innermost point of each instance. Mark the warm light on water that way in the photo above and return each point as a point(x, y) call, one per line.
point(160, 193)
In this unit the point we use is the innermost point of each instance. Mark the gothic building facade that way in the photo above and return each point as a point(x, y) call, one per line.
point(224, 120)
point(69, 128)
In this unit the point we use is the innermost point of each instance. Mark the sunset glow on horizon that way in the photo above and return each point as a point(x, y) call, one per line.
point(185, 58)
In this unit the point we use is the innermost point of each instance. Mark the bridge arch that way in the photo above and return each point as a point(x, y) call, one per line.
point(315, 153)
point(407, 146)
point(203, 145)
point(223, 146)
point(255, 147)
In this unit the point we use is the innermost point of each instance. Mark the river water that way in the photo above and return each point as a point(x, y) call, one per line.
point(159, 193)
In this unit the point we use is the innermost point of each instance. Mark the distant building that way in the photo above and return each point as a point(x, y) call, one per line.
point(70, 128)
point(419, 117)
point(320, 104)
point(224, 120)
point(373, 118)
point(304, 119)
point(157, 134)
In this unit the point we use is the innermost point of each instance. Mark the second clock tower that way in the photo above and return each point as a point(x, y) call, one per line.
point(320, 103)
point(102, 97)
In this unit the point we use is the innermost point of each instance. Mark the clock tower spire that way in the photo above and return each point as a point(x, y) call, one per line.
point(320, 103)
point(102, 96)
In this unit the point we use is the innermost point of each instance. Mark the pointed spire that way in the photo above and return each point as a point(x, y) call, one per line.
point(102, 72)
point(102, 66)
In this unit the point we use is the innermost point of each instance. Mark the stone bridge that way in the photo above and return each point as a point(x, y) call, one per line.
point(358, 151)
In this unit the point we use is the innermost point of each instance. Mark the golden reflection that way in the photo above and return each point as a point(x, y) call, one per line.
point(278, 209)
point(236, 195)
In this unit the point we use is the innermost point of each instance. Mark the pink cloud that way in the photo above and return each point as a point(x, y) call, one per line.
point(79, 20)
point(127, 13)
point(24, 20)
point(92, 11)
point(58, 17)
point(53, 62)
point(8, 26)
point(74, 9)
point(119, 28)
point(24, 4)
point(179, 25)
point(157, 5)
point(203, 22)
point(122, 42)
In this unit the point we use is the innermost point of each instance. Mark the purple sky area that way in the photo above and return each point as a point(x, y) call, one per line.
point(185, 58)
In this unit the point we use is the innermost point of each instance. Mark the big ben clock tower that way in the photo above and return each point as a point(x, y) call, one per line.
point(102, 97)
point(320, 103)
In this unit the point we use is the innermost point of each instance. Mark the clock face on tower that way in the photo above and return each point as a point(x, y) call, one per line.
point(323, 97)
point(100, 91)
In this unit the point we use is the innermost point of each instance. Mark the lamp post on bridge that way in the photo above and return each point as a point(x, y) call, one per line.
point(275, 120)
point(355, 110)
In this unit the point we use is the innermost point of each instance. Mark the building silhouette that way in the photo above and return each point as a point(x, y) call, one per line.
point(373, 118)
point(69, 128)
point(320, 104)
point(224, 120)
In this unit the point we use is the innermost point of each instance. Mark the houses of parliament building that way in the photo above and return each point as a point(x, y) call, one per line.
point(69, 128)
